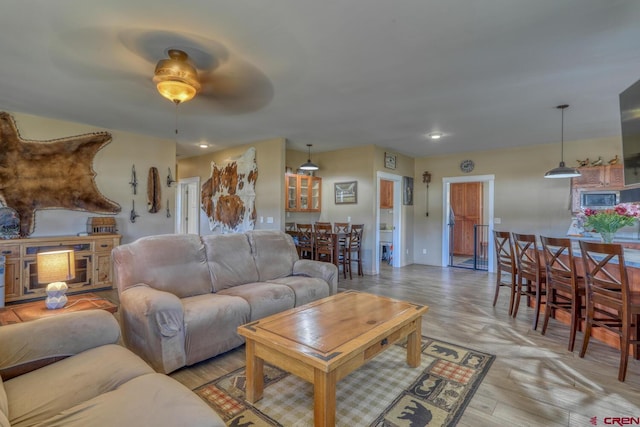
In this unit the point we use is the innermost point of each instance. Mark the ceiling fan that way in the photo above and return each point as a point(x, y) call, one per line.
point(176, 78)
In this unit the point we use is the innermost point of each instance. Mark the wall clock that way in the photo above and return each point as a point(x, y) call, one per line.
point(389, 161)
point(466, 166)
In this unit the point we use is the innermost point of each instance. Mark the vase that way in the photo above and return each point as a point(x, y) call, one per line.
point(607, 236)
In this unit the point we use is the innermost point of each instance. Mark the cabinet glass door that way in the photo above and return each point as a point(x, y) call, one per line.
point(304, 192)
point(315, 195)
point(292, 187)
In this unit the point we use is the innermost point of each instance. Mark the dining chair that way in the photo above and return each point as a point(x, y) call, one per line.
point(324, 244)
point(324, 227)
point(565, 288)
point(610, 302)
point(305, 241)
point(506, 264)
point(289, 226)
point(352, 251)
point(531, 275)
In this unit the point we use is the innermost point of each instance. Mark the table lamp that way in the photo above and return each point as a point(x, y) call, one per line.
point(54, 268)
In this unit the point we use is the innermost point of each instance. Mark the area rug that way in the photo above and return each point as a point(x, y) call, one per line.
point(384, 392)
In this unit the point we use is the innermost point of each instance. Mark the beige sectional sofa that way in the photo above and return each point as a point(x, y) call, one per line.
point(68, 370)
point(182, 297)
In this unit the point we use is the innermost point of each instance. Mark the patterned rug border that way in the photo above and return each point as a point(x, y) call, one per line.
point(225, 394)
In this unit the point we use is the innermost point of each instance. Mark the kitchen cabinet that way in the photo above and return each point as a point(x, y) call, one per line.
point(609, 177)
point(93, 269)
point(600, 177)
point(303, 193)
point(386, 194)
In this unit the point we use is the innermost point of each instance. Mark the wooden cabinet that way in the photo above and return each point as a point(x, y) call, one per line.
point(609, 177)
point(93, 269)
point(600, 177)
point(386, 194)
point(303, 193)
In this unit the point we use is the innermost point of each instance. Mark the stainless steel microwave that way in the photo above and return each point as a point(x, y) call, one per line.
point(599, 199)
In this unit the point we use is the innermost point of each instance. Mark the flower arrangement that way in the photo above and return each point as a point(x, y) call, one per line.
point(607, 222)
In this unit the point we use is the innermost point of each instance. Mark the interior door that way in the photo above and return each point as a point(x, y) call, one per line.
point(466, 202)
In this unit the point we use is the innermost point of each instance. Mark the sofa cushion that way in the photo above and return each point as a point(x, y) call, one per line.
point(148, 400)
point(38, 395)
point(274, 253)
point(4, 406)
point(264, 298)
point(211, 322)
point(306, 289)
point(173, 263)
point(230, 260)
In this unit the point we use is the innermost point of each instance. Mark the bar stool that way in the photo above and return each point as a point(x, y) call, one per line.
point(565, 289)
point(610, 302)
point(531, 271)
point(506, 264)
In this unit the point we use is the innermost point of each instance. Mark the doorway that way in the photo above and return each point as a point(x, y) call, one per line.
point(467, 222)
point(188, 206)
point(390, 216)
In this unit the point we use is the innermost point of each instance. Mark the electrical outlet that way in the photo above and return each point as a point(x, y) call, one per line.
point(424, 252)
point(261, 219)
point(348, 219)
point(407, 251)
point(269, 220)
point(497, 220)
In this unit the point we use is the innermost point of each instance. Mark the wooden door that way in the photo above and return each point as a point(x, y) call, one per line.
point(466, 203)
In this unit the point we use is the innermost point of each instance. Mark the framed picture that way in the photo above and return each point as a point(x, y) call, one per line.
point(407, 190)
point(346, 192)
point(389, 160)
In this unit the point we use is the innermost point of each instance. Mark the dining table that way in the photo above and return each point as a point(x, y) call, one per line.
point(336, 238)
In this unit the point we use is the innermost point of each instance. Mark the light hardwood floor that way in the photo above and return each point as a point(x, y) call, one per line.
point(534, 381)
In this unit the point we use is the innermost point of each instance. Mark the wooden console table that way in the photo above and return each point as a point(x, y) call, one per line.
point(17, 313)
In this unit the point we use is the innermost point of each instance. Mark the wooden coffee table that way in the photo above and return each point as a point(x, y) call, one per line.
point(17, 313)
point(323, 341)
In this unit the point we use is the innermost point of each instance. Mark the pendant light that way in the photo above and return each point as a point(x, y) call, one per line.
point(562, 171)
point(309, 166)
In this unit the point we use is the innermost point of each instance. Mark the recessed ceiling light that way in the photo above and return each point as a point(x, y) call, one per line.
point(203, 145)
point(435, 135)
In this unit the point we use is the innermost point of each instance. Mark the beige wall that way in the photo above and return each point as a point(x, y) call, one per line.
point(524, 200)
point(270, 156)
point(112, 179)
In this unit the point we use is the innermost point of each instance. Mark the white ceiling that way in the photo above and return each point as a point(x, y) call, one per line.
point(333, 73)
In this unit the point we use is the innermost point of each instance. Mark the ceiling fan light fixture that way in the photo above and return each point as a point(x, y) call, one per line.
point(175, 78)
point(562, 171)
point(309, 165)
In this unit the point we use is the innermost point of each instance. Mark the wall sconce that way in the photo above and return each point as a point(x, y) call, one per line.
point(426, 178)
point(55, 268)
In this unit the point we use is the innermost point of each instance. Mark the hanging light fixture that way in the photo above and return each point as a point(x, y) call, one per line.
point(562, 171)
point(176, 78)
point(309, 166)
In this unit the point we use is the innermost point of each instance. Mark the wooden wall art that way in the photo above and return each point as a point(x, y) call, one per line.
point(154, 192)
point(228, 196)
point(53, 174)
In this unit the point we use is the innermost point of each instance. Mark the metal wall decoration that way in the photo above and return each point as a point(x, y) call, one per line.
point(170, 179)
point(168, 210)
point(133, 215)
point(134, 179)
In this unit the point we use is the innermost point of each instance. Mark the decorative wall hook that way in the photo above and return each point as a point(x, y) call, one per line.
point(170, 179)
point(134, 179)
point(133, 215)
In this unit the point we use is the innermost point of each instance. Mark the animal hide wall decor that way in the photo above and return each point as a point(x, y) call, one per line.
point(54, 174)
point(228, 196)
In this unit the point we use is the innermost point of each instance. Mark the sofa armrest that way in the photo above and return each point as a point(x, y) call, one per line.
point(153, 326)
point(31, 345)
point(323, 270)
